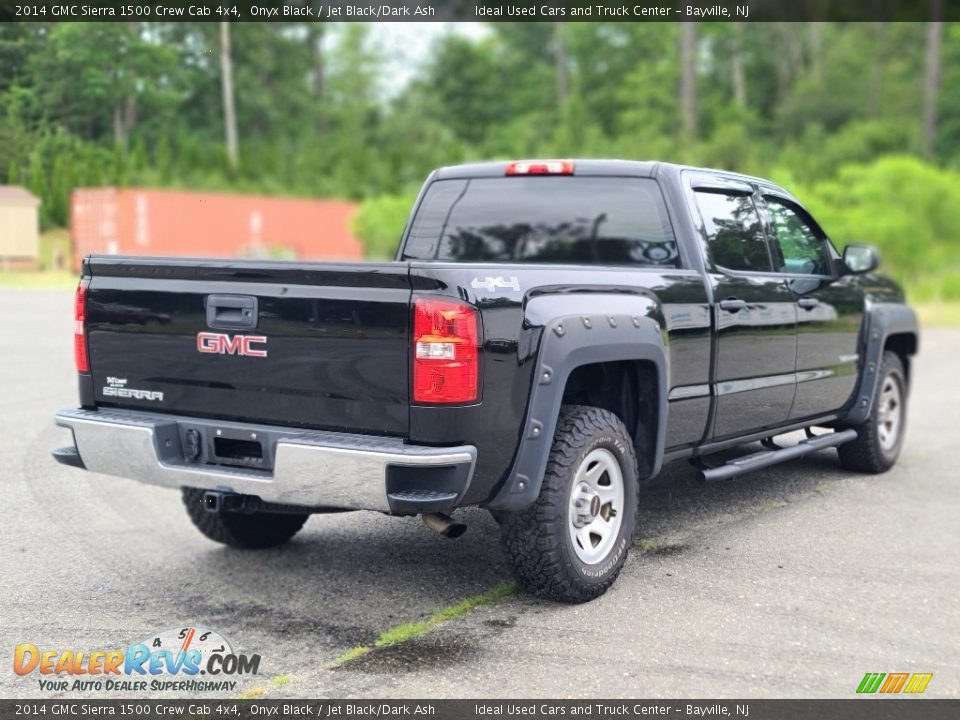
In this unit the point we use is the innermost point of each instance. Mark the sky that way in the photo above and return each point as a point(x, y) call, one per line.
point(406, 45)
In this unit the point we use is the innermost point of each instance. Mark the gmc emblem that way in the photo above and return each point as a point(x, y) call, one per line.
point(223, 344)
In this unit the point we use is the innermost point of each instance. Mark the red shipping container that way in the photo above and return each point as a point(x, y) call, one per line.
point(142, 221)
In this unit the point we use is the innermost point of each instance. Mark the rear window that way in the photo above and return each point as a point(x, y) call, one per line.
point(582, 220)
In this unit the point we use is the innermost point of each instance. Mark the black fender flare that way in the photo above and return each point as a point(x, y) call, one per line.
point(581, 329)
point(882, 320)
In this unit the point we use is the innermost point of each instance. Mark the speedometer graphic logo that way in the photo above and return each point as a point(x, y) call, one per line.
point(207, 649)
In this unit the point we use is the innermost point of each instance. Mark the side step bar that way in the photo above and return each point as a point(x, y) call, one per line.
point(766, 458)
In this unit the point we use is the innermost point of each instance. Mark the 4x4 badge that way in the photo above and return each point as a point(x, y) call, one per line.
point(491, 284)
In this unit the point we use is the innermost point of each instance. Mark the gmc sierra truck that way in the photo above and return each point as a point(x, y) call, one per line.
point(550, 334)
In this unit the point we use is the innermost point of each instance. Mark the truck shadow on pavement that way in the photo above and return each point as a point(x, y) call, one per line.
point(677, 500)
point(368, 572)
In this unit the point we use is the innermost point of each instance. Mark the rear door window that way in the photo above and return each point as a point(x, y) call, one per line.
point(734, 235)
point(576, 220)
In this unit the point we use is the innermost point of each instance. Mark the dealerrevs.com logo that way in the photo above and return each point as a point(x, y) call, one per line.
point(185, 659)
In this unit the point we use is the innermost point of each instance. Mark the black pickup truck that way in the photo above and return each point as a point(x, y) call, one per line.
point(550, 333)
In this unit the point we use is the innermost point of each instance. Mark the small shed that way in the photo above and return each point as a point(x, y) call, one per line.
point(19, 227)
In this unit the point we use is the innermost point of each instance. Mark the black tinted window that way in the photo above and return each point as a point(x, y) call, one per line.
point(583, 220)
point(799, 244)
point(734, 235)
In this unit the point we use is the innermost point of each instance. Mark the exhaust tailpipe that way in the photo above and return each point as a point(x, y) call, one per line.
point(444, 524)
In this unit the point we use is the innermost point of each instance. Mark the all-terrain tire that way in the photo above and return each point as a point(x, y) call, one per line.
point(254, 531)
point(875, 450)
point(540, 543)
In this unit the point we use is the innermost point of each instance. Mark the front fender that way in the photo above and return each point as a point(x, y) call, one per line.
point(882, 320)
point(581, 329)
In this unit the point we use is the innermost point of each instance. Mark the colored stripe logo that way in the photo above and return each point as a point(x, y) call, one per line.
point(893, 683)
point(918, 682)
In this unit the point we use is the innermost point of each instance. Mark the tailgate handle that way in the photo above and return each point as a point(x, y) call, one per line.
point(232, 312)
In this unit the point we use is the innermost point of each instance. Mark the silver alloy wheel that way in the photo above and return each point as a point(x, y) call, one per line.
point(596, 506)
point(889, 413)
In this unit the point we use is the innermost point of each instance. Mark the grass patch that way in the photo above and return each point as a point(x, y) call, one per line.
point(31, 280)
point(281, 680)
point(407, 631)
point(252, 693)
point(54, 250)
point(647, 545)
point(351, 654)
point(462, 608)
point(769, 505)
point(939, 314)
point(404, 631)
point(824, 487)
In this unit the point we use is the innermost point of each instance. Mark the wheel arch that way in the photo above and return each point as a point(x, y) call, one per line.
point(627, 388)
point(585, 337)
point(904, 344)
point(887, 326)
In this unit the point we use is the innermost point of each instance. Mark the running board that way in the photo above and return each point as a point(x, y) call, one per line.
point(766, 458)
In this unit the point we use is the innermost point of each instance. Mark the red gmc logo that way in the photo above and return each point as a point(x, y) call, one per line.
point(222, 344)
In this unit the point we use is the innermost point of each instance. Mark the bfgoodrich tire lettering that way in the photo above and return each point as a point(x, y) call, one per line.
point(880, 438)
point(255, 531)
point(558, 548)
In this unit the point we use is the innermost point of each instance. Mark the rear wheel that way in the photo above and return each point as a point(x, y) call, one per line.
point(571, 543)
point(880, 438)
point(253, 531)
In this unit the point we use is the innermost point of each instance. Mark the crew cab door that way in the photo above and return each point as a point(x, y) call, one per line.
point(829, 309)
point(755, 313)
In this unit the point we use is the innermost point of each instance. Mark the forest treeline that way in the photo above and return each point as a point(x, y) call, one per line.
point(861, 120)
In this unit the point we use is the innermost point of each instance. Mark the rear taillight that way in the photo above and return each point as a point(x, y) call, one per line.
point(445, 359)
point(80, 328)
point(540, 167)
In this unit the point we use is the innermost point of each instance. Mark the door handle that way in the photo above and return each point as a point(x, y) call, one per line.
point(733, 304)
point(808, 303)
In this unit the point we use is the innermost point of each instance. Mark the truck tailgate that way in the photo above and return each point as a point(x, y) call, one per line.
point(322, 346)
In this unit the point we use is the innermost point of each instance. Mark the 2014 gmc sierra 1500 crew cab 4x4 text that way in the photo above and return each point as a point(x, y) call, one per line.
point(549, 335)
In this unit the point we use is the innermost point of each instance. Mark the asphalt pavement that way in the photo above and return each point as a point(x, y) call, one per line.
point(791, 582)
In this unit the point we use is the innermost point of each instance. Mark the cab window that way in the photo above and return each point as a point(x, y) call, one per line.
point(734, 235)
point(799, 245)
point(543, 219)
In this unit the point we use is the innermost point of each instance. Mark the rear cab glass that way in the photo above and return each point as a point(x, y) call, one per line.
point(734, 234)
point(566, 219)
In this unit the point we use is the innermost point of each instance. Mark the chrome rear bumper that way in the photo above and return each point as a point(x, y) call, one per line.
point(309, 468)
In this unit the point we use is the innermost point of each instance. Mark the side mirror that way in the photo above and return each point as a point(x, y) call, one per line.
point(860, 259)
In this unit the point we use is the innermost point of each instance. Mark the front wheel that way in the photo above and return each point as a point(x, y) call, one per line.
point(880, 438)
point(571, 543)
point(253, 531)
